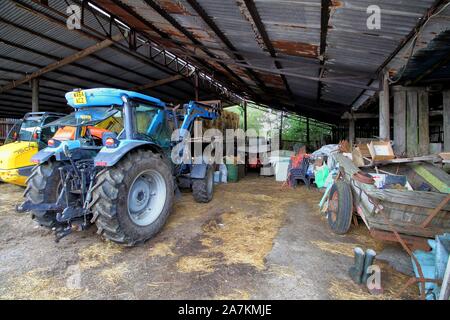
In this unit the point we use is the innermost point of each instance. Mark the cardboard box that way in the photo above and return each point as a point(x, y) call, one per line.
point(364, 150)
point(381, 151)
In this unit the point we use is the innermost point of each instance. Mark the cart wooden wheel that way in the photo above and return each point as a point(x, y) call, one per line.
point(340, 207)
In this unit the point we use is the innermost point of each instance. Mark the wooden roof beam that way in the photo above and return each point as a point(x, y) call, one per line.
point(58, 64)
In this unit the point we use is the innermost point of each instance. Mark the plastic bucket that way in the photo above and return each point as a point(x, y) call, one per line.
point(233, 173)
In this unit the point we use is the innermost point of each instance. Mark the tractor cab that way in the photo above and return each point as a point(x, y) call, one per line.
point(25, 139)
point(102, 119)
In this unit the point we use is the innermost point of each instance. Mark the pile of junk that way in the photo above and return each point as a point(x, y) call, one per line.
point(403, 200)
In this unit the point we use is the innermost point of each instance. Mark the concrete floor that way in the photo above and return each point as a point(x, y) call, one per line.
point(255, 240)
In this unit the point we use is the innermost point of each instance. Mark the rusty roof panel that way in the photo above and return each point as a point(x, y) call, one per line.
point(352, 46)
point(271, 80)
point(153, 17)
point(296, 48)
point(107, 67)
point(232, 23)
point(291, 36)
point(291, 21)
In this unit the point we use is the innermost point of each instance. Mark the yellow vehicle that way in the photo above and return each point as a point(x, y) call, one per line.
point(24, 140)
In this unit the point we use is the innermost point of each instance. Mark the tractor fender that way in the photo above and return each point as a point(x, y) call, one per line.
point(198, 171)
point(42, 156)
point(109, 157)
point(58, 152)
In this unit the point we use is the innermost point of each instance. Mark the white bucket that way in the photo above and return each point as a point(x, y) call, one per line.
point(281, 165)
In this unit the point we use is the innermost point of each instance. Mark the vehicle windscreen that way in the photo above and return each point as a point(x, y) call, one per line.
point(85, 117)
point(28, 130)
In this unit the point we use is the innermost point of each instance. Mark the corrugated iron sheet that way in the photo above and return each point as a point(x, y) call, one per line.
point(294, 29)
point(352, 46)
point(38, 52)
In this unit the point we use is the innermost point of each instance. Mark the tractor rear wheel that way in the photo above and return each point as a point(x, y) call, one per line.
point(203, 189)
point(133, 199)
point(43, 186)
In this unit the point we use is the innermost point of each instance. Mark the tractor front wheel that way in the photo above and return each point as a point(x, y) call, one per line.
point(133, 199)
point(203, 189)
point(44, 186)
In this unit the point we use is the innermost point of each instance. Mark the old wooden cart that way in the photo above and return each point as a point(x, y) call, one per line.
point(388, 213)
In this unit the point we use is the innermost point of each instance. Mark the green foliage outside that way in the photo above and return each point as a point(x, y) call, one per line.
point(294, 127)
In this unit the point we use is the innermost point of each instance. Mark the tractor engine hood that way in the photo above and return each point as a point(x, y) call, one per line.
point(17, 155)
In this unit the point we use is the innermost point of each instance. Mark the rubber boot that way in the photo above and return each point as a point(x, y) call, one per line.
point(368, 261)
point(356, 271)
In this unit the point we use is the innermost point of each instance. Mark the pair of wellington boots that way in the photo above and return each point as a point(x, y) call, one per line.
point(363, 260)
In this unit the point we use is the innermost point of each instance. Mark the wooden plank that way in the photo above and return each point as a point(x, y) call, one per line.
point(400, 122)
point(446, 115)
point(437, 172)
point(422, 199)
point(424, 123)
point(431, 158)
point(61, 63)
point(431, 178)
point(412, 138)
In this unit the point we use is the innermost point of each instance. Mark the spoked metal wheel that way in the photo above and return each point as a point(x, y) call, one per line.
point(333, 206)
point(147, 197)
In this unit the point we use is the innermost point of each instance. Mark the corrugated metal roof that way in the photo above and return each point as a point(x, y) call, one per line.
point(295, 30)
point(352, 46)
point(425, 59)
point(282, 53)
point(29, 41)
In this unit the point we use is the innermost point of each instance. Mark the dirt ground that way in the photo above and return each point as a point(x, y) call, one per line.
point(255, 240)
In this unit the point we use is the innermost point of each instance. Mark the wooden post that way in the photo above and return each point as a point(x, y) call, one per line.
point(446, 116)
point(35, 95)
point(424, 123)
point(197, 93)
point(400, 122)
point(308, 133)
point(351, 131)
point(281, 130)
point(245, 129)
point(385, 126)
point(412, 138)
point(245, 116)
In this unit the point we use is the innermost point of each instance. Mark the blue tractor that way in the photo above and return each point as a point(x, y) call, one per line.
point(110, 164)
